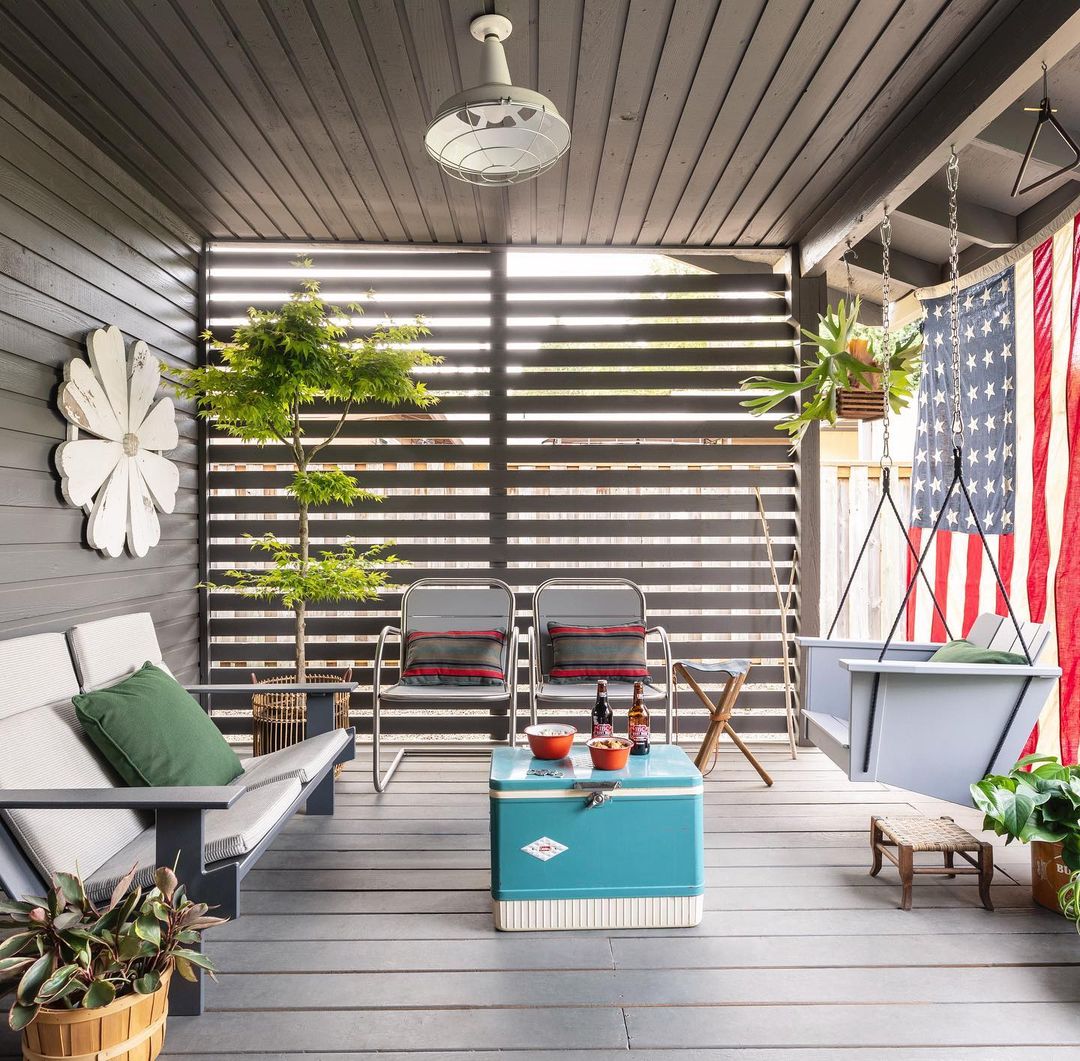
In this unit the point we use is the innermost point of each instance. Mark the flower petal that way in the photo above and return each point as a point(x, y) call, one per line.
point(107, 355)
point(85, 464)
point(84, 402)
point(161, 477)
point(107, 526)
point(145, 378)
point(143, 530)
point(158, 430)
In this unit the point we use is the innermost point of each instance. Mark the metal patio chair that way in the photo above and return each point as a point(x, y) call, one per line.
point(591, 602)
point(445, 604)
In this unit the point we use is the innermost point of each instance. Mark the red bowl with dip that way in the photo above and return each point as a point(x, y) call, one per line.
point(550, 740)
point(608, 758)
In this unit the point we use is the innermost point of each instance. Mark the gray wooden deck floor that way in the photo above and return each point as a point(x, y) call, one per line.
point(369, 935)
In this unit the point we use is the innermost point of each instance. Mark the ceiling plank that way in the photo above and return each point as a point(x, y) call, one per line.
point(693, 34)
point(731, 36)
point(735, 202)
point(918, 41)
point(989, 81)
point(245, 97)
point(558, 37)
point(709, 195)
point(52, 63)
point(929, 206)
point(643, 44)
point(435, 76)
point(603, 28)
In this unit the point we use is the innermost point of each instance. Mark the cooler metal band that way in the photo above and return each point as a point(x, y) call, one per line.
point(577, 793)
point(646, 911)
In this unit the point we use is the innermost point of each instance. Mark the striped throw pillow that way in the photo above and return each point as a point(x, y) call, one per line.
point(454, 657)
point(581, 653)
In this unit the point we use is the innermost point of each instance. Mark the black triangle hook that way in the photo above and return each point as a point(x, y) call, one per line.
point(1045, 117)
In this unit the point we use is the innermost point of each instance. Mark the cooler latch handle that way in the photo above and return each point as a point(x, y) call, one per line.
point(599, 791)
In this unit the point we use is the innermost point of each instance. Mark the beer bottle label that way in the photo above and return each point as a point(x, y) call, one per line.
point(639, 733)
point(602, 729)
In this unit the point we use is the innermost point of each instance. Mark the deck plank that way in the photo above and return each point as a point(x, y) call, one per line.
point(368, 937)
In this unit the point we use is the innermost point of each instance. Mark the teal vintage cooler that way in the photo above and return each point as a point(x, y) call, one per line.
point(573, 847)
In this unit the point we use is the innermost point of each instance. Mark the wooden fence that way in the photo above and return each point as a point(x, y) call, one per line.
point(850, 491)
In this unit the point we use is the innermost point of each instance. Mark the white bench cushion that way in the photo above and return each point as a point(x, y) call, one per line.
point(228, 834)
point(303, 761)
point(49, 750)
point(107, 650)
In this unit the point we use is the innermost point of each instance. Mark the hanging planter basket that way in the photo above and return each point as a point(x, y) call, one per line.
point(863, 402)
point(279, 720)
point(130, 1029)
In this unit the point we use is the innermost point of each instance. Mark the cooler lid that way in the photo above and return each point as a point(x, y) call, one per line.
point(667, 766)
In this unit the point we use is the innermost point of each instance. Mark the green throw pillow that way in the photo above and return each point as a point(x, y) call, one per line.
point(965, 652)
point(154, 733)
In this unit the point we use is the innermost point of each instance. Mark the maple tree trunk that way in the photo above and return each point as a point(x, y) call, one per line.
point(300, 608)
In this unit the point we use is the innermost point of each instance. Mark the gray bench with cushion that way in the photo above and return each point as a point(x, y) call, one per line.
point(62, 807)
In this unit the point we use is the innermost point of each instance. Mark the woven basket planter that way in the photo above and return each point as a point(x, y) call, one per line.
point(130, 1029)
point(857, 403)
point(280, 719)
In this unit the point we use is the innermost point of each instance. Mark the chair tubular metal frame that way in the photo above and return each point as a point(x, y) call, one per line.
point(380, 778)
point(534, 635)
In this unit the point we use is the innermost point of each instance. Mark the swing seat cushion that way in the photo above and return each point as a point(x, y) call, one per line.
point(961, 651)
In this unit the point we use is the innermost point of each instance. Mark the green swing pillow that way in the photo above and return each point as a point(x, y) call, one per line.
point(153, 732)
point(962, 651)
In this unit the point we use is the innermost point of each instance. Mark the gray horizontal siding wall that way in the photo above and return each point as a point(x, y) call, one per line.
point(82, 244)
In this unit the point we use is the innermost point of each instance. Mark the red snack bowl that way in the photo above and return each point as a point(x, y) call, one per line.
point(550, 740)
point(609, 758)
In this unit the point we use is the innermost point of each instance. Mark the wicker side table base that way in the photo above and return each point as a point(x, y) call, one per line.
point(910, 834)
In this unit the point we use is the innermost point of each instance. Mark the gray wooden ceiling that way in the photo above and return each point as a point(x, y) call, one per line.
point(698, 122)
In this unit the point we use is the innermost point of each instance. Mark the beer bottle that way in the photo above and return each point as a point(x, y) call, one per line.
point(638, 723)
point(602, 718)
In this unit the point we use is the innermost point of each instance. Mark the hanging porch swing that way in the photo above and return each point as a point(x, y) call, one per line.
point(882, 710)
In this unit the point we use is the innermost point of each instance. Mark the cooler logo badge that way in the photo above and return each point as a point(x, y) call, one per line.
point(544, 848)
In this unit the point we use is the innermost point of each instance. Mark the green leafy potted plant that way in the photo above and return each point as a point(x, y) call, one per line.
point(75, 965)
point(278, 364)
point(1038, 803)
point(846, 359)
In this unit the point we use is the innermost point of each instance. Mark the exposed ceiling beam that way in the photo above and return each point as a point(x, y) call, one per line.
point(905, 269)
point(929, 206)
point(1004, 67)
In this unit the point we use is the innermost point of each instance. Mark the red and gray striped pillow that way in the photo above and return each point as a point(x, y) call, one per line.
point(454, 657)
point(581, 653)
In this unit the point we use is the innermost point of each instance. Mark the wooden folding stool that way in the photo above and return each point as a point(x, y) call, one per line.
point(720, 712)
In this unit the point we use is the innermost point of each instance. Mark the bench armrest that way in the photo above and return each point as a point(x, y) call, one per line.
point(197, 797)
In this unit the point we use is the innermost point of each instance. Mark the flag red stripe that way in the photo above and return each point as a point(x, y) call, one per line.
point(915, 537)
point(1006, 553)
point(1039, 559)
point(943, 547)
point(973, 582)
point(1067, 578)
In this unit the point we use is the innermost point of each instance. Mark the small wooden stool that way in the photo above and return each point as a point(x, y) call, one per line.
point(916, 833)
point(737, 671)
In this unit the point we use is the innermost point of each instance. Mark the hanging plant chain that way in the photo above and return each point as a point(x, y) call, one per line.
point(886, 350)
point(952, 176)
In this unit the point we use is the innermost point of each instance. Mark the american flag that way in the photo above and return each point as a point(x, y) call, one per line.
point(1020, 406)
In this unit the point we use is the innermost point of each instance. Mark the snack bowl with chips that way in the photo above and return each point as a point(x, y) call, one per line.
point(550, 740)
point(609, 753)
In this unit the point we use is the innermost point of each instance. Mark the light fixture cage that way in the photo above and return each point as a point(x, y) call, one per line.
point(496, 134)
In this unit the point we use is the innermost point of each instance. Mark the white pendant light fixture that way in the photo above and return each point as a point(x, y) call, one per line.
point(496, 133)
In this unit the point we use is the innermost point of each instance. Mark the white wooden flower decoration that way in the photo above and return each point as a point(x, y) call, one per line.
point(119, 477)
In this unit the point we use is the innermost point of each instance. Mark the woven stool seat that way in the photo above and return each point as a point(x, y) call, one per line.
point(928, 834)
point(898, 839)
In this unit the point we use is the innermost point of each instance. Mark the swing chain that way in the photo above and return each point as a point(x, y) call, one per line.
point(952, 176)
point(886, 348)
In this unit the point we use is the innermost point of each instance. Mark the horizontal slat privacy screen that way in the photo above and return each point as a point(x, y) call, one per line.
point(588, 425)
